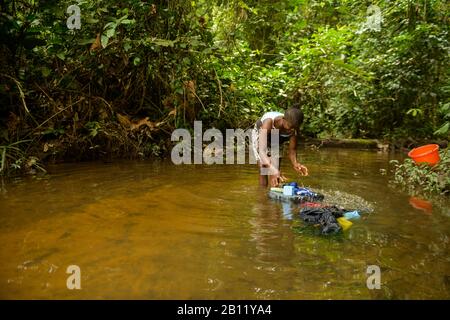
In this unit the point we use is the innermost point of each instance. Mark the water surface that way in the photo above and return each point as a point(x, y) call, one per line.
point(153, 230)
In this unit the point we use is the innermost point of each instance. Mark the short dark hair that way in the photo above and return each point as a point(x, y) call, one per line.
point(294, 116)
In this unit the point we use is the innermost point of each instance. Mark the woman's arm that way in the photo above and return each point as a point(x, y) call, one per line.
point(293, 150)
point(263, 133)
point(265, 160)
point(293, 156)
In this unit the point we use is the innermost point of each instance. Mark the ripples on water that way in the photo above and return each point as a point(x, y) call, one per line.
point(157, 231)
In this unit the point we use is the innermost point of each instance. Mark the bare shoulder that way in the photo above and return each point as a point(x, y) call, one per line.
point(267, 124)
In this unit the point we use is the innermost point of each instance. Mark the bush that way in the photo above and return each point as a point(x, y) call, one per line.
point(424, 178)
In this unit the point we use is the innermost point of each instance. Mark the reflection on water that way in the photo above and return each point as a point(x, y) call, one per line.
point(159, 231)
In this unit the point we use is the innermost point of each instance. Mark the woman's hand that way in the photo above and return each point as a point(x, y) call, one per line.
point(277, 178)
point(274, 176)
point(274, 181)
point(301, 169)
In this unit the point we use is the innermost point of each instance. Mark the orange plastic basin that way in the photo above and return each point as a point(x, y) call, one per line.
point(425, 154)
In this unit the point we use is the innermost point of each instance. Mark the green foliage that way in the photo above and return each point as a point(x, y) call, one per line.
point(351, 83)
point(424, 178)
point(444, 130)
point(167, 63)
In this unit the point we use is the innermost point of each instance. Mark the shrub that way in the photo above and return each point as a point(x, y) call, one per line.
point(424, 178)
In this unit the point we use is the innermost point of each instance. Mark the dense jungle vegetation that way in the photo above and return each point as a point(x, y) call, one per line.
point(136, 70)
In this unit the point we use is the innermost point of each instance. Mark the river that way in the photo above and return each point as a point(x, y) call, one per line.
point(154, 230)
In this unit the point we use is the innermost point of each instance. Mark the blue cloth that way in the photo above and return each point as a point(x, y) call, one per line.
point(304, 193)
point(352, 215)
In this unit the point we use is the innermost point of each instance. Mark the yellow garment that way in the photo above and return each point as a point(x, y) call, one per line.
point(344, 223)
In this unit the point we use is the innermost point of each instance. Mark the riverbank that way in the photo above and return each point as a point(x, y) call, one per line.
point(403, 145)
point(18, 158)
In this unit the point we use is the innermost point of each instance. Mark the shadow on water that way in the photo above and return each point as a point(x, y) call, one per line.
point(159, 231)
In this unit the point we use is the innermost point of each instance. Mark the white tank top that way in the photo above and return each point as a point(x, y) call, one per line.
point(272, 115)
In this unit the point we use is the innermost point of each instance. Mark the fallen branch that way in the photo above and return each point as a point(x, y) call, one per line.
point(22, 95)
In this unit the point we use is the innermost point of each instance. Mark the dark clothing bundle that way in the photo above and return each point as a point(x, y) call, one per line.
point(323, 216)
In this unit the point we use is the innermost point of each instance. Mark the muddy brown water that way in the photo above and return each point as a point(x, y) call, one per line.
point(153, 230)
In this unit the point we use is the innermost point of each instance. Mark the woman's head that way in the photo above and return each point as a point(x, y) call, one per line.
point(294, 117)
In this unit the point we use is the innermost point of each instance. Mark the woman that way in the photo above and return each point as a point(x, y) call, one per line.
point(287, 124)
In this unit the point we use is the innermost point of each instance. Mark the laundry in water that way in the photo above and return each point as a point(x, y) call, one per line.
point(331, 218)
point(291, 192)
point(324, 217)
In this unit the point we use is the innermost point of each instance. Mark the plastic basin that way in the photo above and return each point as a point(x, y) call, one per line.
point(425, 154)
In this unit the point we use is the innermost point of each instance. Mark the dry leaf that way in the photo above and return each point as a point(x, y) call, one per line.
point(142, 122)
point(47, 146)
point(97, 43)
point(190, 86)
point(123, 120)
point(31, 161)
point(173, 112)
point(153, 9)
